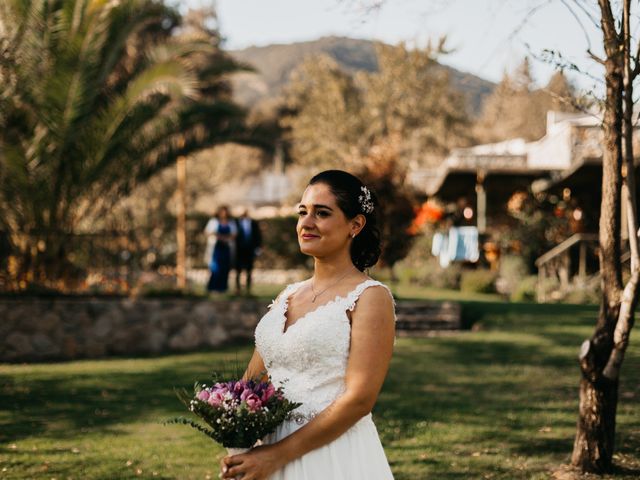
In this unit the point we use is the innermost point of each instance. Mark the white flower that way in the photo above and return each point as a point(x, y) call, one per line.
point(366, 203)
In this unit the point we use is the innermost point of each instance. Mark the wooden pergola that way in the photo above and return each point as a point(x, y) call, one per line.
point(486, 182)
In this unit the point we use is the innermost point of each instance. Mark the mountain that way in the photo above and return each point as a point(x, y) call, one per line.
point(274, 64)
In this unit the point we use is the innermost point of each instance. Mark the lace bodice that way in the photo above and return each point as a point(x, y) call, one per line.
point(309, 359)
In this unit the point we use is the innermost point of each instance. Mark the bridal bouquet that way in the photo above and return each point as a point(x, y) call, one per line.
point(237, 413)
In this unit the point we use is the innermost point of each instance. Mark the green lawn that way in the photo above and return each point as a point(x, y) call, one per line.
point(499, 402)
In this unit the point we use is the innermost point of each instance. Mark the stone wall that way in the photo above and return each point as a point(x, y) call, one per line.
point(69, 328)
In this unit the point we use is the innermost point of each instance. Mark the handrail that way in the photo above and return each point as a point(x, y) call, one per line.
point(568, 243)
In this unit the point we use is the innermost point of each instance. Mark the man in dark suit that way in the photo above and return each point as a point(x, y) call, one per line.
point(248, 243)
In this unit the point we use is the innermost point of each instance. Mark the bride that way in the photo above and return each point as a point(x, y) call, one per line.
point(328, 340)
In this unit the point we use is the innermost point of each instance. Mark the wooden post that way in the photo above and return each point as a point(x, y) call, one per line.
point(181, 223)
point(582, 266)
point(481, 202)
point(541, 283)
point(565, 269)
point(624, 233)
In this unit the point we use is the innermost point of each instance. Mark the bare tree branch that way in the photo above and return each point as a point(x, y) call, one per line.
point(527, 17)
point(630, 293)
point(611, 36)
point(556, 59)
point(627, 128)
point(572, 102)
point(365, 7)
point(592, 18)
point(584, 30)
point(636, 63)
point(595, 58)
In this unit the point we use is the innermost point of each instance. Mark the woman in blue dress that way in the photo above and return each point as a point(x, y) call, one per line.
point(221, 233)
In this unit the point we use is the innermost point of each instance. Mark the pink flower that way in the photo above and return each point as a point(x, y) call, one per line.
point(215, 399)
point(268, 392)
point(203, 395)
point(245, 394)
point(253, 402)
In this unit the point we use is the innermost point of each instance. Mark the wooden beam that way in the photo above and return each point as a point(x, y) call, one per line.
point(181, 223)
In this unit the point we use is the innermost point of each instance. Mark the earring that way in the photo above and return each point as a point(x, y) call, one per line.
point(353, 235)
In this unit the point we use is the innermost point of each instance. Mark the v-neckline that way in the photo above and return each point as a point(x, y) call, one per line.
point(285, 307)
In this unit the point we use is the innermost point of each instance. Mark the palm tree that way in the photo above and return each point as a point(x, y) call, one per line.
point(96, 97)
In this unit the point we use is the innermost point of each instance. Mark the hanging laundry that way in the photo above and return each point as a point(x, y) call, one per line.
point(440, 248)
point(437, 243)
point(463, 244)
point(458, 244)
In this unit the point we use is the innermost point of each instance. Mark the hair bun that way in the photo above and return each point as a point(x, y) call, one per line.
point(354, 198)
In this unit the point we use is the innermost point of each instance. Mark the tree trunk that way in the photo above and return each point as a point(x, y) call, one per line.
point(41, 259)
point(594, 442)
point(181, 222)
point(595, 438)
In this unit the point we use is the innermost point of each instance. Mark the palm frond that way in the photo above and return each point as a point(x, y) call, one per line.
point(95, 97)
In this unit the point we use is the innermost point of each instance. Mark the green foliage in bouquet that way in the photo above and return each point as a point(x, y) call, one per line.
point(237, 413)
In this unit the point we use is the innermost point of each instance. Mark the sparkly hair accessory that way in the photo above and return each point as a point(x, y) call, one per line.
point(365, 200)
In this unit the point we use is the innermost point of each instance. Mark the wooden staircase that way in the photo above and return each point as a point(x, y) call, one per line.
point(421, 318)
point(557, 265)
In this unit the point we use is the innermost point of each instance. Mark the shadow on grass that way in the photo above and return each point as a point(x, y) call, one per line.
point(443, 467)
point(496, 389)
point(78, 466)
point(500, 314)
point(61, 405)
point(512, 385)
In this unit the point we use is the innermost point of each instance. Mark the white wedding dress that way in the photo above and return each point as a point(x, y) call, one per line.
point(309, 360)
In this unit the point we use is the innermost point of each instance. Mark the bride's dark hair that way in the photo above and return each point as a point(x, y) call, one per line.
point(366, 246)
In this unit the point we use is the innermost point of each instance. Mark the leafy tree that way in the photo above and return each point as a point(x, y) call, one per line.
point(560, 94)
point(327, 117)
point(96, 98)
point(602, 355)
point(515, 109)
point(336, 117)
point(387, 176)
point(410, 97)
point(377, 124)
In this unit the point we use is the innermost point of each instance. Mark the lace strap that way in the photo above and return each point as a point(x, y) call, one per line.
point(284, 294)
point(354, 295)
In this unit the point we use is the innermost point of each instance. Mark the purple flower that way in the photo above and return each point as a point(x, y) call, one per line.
point(221, 389)
point(237, 388)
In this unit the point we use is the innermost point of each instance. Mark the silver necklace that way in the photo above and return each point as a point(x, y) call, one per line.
point(316, 295)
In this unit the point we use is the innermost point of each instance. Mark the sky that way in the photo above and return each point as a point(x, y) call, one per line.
point(487, 36)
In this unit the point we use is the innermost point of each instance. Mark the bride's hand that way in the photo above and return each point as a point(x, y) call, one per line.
point(256, 464)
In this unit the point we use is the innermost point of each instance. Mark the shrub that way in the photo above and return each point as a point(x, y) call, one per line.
point(420, 267)
point(280, 247)
point(513, 270)
point(429, 273)
point(583, 295)
point(448, 277)
point(525, 290)
point(551, 288)
point(478, 281)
